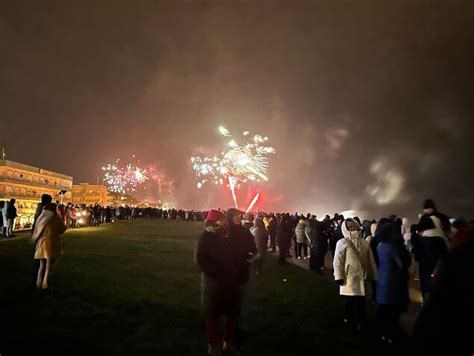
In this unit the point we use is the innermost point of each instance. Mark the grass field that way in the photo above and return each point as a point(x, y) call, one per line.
point(132, 288)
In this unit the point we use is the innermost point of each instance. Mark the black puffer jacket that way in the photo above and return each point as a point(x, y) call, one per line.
point(220, 276)
point(243, 245)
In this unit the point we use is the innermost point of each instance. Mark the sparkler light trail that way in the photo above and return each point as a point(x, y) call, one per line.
point(238, 163)
point(232, 184)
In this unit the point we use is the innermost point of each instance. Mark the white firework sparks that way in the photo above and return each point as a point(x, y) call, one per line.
point(244, 162)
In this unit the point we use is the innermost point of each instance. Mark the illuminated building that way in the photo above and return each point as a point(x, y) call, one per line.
point(118, 199)
point(26, 184)
point(89, 194)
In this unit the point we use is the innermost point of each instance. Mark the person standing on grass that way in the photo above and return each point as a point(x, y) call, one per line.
point(392, 295)
point(301, 239)
point(429, 247)
point(319, 244)
point(272, 231)
point(45, 200)
point(261, 238)
point(336, 233)
point(216, 258)
point(284, 232)
point(245, 249)
point(353, 265)
point(49, 247)
point(3, 219)
point(11, 216)
point(446, 321)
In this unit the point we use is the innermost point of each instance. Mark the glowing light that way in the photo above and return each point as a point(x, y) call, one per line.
point(128, 178)
point(232, 184)
point(254, 201)
point(238, 162)
point(224, 131)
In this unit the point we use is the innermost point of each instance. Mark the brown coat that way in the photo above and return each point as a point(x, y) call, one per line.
point(49, 244)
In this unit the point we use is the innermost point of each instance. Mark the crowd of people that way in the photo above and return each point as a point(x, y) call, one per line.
point(8, 214)
point(82, 215)
point(371, 259)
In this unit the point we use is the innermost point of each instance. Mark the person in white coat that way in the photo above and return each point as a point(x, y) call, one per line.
point(354, 265)
point(3, 218)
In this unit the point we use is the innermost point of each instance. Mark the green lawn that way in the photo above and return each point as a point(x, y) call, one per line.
point(132, 288)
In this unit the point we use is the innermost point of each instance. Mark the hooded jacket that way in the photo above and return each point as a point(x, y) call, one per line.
point(317, 237)
point(243, 244)
point(215, 257)
point(354, 271)
point(393, 275)
point(260, 235)
point(300, 232)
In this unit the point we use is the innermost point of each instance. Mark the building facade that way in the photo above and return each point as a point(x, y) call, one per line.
point(26, 184)
point(118, 199)
point(89, 194)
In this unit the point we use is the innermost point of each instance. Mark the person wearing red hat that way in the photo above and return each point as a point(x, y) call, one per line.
point(216, 259)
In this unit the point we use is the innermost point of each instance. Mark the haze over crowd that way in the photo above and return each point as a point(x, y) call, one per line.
point(369, 105)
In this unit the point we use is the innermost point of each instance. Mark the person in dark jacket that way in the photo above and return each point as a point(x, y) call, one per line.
point(383, 227)
point(245, 249)
point(460, 233)
point(284, 234)
point(392, 283)
point(3, 222)
point(261, 238)
point(220, 294)
point(429, 247)
point(430, 208)
point(243, 243)
point(272, 231)
point(446, 321)
point(335, 232)
point(11, 216)
point(319, 244)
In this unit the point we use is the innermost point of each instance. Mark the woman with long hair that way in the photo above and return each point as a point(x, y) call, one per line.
point(49, 247)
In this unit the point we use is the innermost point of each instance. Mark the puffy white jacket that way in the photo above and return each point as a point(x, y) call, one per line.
point(348, 267)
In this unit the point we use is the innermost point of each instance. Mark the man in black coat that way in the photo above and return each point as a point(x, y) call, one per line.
point(243, 243)
point(335, 232)
point(446, 321)
point(319, 244)
point(428, 249)
point(220, 295)
point(284, 234)
point(430, 208)
point(272, 231)
point(11, 216)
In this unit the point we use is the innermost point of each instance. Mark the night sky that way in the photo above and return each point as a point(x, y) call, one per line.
point(369, 104)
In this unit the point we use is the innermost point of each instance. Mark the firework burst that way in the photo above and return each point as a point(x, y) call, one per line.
point(134, 176)
point(238, 163)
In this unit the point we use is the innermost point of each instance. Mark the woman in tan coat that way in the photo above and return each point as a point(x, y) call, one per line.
point(49, 246)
